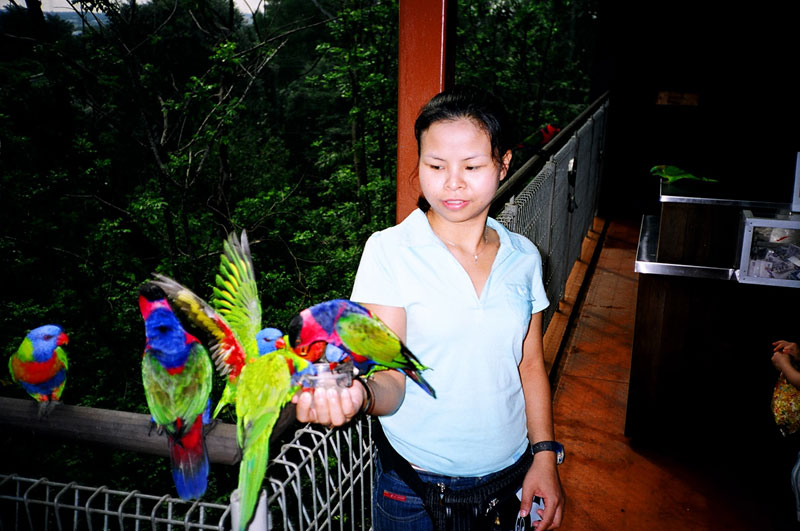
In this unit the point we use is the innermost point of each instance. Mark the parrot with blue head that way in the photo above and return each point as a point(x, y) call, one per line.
point(269, 340)
point(342, 326)
point(273, 340)
point(177, 378)
point(40, 366)
point(255, 362)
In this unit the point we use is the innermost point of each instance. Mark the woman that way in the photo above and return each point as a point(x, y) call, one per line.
point(466, 296)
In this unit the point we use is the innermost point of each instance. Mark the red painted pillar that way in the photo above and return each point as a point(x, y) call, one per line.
point(426, 67)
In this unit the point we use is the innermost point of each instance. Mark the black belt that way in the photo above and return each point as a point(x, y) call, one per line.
point(454, 510)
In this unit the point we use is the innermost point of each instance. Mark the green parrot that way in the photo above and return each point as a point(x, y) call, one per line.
point(672, 173)
point(259, 377)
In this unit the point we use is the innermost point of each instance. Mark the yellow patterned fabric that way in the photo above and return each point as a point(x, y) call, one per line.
point(786, 406)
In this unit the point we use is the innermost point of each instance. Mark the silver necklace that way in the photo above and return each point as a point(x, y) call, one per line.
point(474, 255)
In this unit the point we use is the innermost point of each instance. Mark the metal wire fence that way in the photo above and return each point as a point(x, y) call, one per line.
point(556, 208)
point(322, 479)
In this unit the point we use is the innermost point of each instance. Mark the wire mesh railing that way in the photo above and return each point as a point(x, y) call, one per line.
point(556, 208)
point(322, 479)
point(40, 504)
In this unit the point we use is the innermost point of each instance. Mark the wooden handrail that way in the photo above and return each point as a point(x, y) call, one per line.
point(536, 162)
point(121, 429)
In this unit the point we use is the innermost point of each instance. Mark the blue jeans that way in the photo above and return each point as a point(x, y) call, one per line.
point(395, 507)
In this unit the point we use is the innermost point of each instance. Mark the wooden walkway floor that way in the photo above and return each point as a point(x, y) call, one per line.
point(610, 483)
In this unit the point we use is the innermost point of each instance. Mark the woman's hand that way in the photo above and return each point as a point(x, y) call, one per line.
point(542, 480)
point(331, 406)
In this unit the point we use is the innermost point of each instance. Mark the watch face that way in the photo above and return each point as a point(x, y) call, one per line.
point(559, 454)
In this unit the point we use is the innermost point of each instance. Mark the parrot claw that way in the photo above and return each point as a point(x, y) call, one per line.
point(159, 429)
point(45, 408)
point(209, 427)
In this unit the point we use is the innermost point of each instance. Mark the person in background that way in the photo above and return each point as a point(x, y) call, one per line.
point(466, 296)
point(784, 353)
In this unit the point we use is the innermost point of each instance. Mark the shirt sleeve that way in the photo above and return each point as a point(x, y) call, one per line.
point(538, 294)
point(375, 283)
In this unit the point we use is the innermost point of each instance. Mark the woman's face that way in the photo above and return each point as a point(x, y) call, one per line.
point(457, 173)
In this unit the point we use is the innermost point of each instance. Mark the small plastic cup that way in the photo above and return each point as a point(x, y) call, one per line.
point(340, 375)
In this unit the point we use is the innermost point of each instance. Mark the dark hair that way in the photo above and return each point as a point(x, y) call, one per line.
point(477, 105)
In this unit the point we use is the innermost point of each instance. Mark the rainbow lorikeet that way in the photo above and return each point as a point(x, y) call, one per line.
point(355, 330)
point(272, 340)
point(269, 340)
point(671, 174)
point(540, 137)
point(258, 369)
point(177, 377)
point(40, 366)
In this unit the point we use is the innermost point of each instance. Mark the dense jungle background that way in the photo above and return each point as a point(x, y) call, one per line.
point(135, 136)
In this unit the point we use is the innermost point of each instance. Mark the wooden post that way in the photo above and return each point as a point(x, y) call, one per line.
point(426, 67)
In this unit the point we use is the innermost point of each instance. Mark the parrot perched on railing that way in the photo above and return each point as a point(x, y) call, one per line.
point(351, 328)
point(40, 366)
point(177, 377)
point(541, 136)
point(259, 376)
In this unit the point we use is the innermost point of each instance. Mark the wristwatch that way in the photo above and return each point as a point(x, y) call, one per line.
point(549, 446)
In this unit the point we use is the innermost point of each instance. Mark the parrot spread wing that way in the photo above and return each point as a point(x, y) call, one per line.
point(226, 349)
point(236, 300)
point(236, 293)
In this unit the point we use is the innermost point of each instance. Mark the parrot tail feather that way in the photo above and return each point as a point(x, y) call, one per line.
point(252, 469)
point(189, 461)
point(417, 377)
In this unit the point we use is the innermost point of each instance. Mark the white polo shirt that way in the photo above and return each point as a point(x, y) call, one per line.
point(473, 345)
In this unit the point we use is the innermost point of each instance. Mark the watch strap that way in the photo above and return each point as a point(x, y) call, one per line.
point(549, 446)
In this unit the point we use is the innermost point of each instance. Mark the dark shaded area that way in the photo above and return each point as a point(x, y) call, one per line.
point(710, 456)
point(728, 111)
point(738, 64)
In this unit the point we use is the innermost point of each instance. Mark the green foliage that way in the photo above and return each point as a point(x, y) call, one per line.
point(138, 143)
point(533, 55)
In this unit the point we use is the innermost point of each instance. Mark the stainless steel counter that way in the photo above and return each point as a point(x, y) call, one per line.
point(646, 257)
point(704, 193)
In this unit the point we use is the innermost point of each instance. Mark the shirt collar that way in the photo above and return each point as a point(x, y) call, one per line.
point(419, 232)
